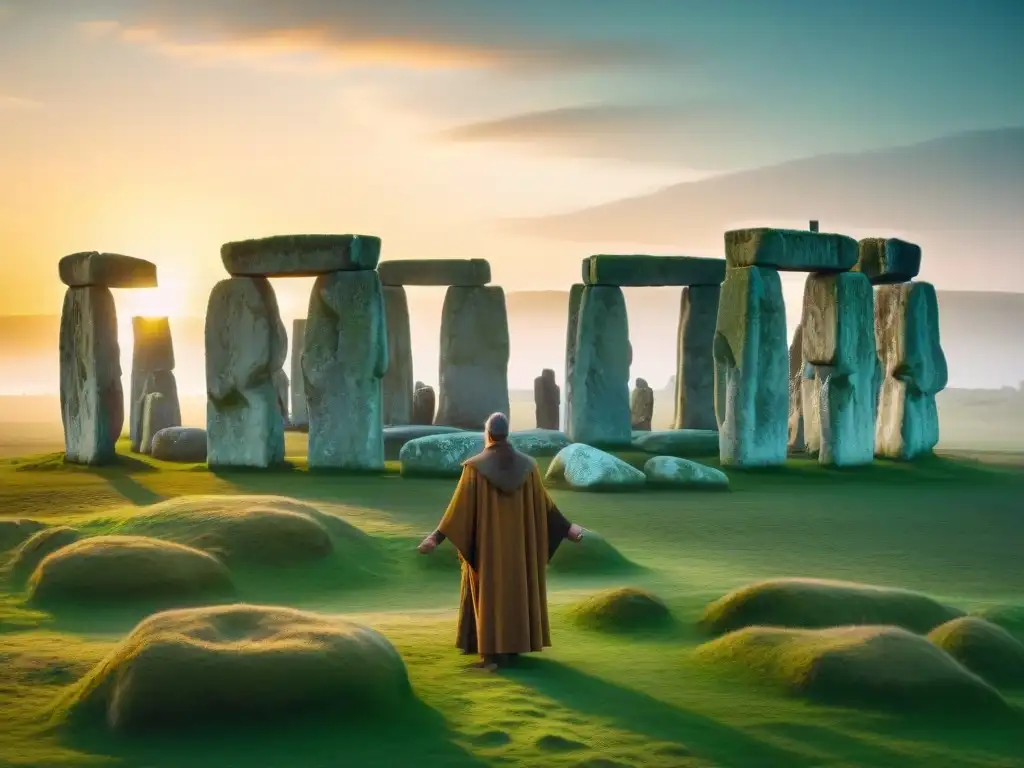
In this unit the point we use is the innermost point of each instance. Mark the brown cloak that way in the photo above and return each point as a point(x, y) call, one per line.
point(505, 528)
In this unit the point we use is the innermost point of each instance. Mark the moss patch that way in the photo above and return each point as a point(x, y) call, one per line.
point(626, 609)
point(1009, 617)
point(14, 532)
point(986, 649)
point(38, 546)
point(592, 556)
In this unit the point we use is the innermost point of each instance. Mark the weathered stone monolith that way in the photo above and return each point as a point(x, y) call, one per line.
point(474, 356)
point(641, 406)
point(160, 382)
point(796, 411)
point(887, 261)
point(281, 387)
point(599, 412)
point(750, 347)
point(810, 407)
point(695, 358)
point(344, 362)
point(914, 368)
point(110, 270)
point(300, 255)
point(839, 342)
point(575, 297)
point(435, 272)
point(790, 250)
point(91, 398)
point(245, 344)
point(398, 381)
point(299, 416)
point(546, 399)
point(158, 412)
point(153, 351)
point(424, 403)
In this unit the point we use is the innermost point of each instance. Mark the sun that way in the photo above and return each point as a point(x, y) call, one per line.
point(165, 301)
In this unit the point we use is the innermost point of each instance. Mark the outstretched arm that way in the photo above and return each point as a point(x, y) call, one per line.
point(459, 521)
point(559, 527)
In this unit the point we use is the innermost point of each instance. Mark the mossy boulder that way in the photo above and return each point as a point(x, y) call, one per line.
point(678, 442)
point(127, 568)
point(874, 666)
point(38, 546)
point(592, 556)
point(986, 649)
point(674, 472)
point(1010, 617)
point(238, 663)
point(818, 603)
point(15, 531)
point(625, 609)
point(585, 468)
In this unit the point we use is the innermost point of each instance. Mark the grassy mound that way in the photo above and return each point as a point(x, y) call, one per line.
point(883, 667)
point(594, 555)
point(38, 546)
point(622, 610)
point(14, 532)
point(253, 530)
point(207, 666)
point(814, 604)
point(110, 568)
point(1009, 617)
point(986, 649)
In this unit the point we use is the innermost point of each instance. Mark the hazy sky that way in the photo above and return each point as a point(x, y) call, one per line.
point(162, 128)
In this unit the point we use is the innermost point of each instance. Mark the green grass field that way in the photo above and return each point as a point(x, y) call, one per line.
point(948, 527)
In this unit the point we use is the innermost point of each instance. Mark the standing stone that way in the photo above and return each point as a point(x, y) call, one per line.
point(160, 382)
point(546, 399)
point(695, 358)
point(474, 356)
point(91, 398)
point(280, 381)
point(299, 417)
point(398, 381)
point(839, 341)
point(796, 375)
point(245, 344)
point(344, 362)
point(914, 369)
point(599, 410)
point(424, 403)
point(641, 406)
point(575, 297)
point(153, 351)
point(158, 412)
point(750, 345)
point(810, 407)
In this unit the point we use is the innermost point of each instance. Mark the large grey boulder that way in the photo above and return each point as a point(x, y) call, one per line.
point(300, 255)
point(790, 250)
point(158, 413)
point(572, 328)
point(398, 381)
point(299, 416)
point(652, 271)
point(839, 341)
point(91, 398)
point(345, 359)
point(153, 350)
point(678, 442)
point(695, 358)
point(395, 438)
point(245, 344)
point(750, 347)
point(888, 260)
point(179, 444)
point(599, 391)
point(474, 356)
point(546, 400)
point(435, 272)
point(797, 443)
point(583, 467)
point(160, 382)
point(539, 442)
point(442, 455)
point(641, 406)
point(107, 270)
point(675, 472)
point(424, 404)
point(914, 369)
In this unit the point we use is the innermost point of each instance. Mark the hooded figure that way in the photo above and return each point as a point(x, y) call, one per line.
point(506, 528)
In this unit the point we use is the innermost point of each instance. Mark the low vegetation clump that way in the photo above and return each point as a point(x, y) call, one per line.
point(592, 556)
point(815, 604)
point(40, 544)
point(238, 664)
point(14, 531)
point(986, 649)
point(1009, 617)
point(874, 666)
point(113, 568)
point(626, 609)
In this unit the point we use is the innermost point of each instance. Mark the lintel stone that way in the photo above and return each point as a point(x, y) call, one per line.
point(300, 255)
point(887, 261)
point(790, 250)
point(637, 271)
point(435, 272)
point(110, 270)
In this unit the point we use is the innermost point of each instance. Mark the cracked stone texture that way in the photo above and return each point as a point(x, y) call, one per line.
point(153, 350)
point(245, 344)
point(474, 356)
point(810, 399)
point(344, 364)
point(674, 471)
point(158, 412)
point(91, 398)
point(796, 411)
point(547, 400)
point(575, 298)
point(599, 411)
point(583, 467)
point(887, 261)
point(424, 404)
point(164, 383)
point(652, 271)
point(790, 250)
point(109, 270)
point(299, 416)
point(435, 272)
point(913, 367)
point(695, 358)
point(398, 381)
point(751, 348)
point(300, 255)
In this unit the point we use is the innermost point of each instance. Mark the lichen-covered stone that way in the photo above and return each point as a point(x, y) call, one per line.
point(398, 381)
point(424, 404)
point(641, 406)
point(435, 272)
point(153, 351)
point(474, 356)
point(158, 413)
point(796, 411)
point(281, 386)
point(108, 270)
point(583, 467)
point(839, 341)
point(443, 454)
point(179, 444)
point(810, 405)
point(396, 437)
point(299, 415)
point(546, 399)
point(678, 442)
point(300, 255)
point(599, 391)
point(245, 344)
point(750, 347)
point(652, 271)
point(674, 471)
point(695, 358)
point(790, 250)
point(886, 261)
point(913, 367)
point(572, 328)
point(538, 442)
point(158, 382)
point(91, 398)
point(345, 359)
